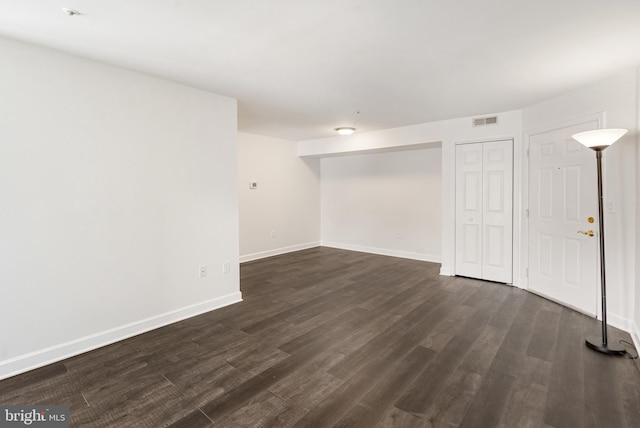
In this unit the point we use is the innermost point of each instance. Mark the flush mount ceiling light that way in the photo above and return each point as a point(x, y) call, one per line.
point(348, 130)
point(70, 12)
point(345, 130)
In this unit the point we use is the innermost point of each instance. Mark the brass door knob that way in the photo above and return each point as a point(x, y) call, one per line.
point(588, 232)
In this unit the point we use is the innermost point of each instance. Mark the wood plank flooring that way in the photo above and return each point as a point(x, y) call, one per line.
point(327, 337)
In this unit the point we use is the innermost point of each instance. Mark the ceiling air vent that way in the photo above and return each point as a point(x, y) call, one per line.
point(489, 120)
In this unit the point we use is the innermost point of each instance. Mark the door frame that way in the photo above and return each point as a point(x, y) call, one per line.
point(599, 118)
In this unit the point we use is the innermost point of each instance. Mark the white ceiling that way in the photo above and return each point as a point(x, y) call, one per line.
point(300, 68)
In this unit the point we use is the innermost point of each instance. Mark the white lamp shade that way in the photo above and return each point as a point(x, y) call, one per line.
point(599, 137)
point(345, 130)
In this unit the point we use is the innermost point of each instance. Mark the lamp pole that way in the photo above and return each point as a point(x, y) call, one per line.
point(598, 141)
point(594, 342)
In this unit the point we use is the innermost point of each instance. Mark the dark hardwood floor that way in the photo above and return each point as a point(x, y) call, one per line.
point(327, 337)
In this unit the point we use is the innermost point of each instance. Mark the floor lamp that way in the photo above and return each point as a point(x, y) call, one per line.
point(599, 140)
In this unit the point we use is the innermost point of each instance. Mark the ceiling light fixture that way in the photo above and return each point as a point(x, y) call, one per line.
point(345, 130)
point(70, 12)
point(348, 130)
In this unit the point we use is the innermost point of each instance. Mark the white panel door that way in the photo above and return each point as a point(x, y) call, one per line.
point(498, 211)
point(563, 263)
point(484, 210)
point(469, 210)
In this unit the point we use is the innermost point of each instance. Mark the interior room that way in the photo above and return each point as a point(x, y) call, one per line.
point(187, 240)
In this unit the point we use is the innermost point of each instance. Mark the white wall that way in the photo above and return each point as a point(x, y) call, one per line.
point(616, 97)
point(636, 282)
point(285, 202)
point(115, 188)
point(384, 203)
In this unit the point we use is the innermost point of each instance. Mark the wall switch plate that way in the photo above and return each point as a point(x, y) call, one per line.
point(226, 267)
point(202, 271)
point(253, 185)
point(273, 233)
point(611, 206)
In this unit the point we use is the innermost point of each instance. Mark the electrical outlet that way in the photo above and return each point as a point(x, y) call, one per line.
point(226, 267)
point(273, 233)
point(202, 271)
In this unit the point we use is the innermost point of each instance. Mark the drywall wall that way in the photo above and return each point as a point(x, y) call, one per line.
point(424, 135)
point(616, 97)
point(282, 213)
point(385, 203)
point(116, 187)
point(636, 283)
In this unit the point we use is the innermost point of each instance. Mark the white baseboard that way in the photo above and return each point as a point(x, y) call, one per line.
point(619, 322)
point(446, 271)
point(33, 360)
point(384, 252)
point(522, 283)
point(635, 335)
point(278, 251)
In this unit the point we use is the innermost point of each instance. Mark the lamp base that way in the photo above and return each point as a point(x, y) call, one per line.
point(595, 343)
